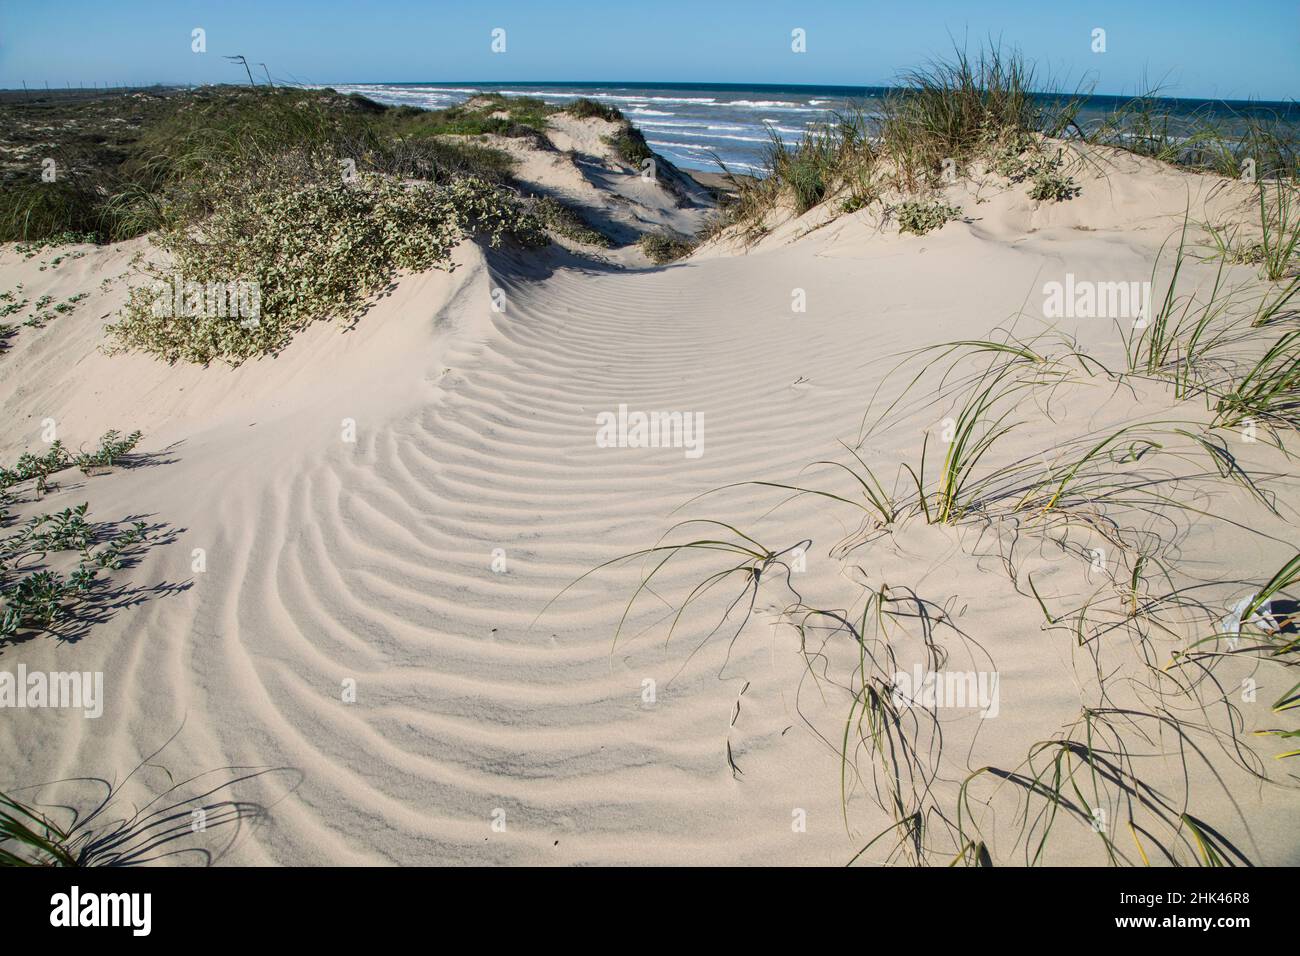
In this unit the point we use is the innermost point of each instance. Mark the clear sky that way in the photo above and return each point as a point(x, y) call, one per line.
point(1246, 49)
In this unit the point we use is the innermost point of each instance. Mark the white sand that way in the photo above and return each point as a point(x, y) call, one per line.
point(371, 561)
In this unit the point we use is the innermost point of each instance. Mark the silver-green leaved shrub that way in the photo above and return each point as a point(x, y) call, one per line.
point(311, 243)
point(920, 217)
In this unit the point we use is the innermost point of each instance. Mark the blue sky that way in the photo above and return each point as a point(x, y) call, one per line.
point(1240, 50)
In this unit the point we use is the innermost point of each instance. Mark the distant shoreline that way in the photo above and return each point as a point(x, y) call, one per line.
point(868, 91)
point(717, 183)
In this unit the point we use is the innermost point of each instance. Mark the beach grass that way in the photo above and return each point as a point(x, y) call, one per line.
point(1209, 139)
point(958, 108)
point(585, 108)
point(1109, 487)
point(1280, 230)
point(1222, 344)
point(103, 831)
point(992, 109)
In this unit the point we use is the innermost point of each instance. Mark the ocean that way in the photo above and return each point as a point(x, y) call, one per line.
point(698, 125)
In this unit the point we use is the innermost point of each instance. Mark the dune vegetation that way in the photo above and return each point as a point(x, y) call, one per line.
point(991, 112)
point(316, 199)
point(38, 592)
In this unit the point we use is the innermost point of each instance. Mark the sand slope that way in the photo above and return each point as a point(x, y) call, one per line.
point(372, 561)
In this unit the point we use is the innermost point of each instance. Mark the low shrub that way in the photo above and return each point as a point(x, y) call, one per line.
point(920, 217)
point(663, 247)
point(566, 221)
point(1052, 185)
point(312, 244)
point(630, 145)
point(36, 597)
point(113, 448)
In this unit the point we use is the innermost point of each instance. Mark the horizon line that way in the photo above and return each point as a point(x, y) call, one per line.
point(661, 84)
point(700, 85)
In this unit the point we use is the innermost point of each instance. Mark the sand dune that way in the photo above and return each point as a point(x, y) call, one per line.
point(372, 560)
